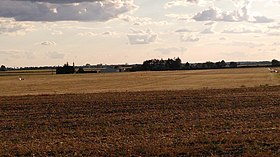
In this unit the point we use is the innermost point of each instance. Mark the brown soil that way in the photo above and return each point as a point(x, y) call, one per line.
point(222, 122)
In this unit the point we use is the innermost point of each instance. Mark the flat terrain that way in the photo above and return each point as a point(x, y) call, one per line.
point(43, 82)
point(222, 122)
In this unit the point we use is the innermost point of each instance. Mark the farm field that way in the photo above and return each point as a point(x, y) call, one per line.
point(222, 122)
point(43, 82)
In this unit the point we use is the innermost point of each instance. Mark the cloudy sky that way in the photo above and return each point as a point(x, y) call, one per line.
point(52, 32)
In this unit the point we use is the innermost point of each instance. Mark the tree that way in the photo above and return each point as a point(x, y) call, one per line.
point(187, 65)
point(177, 63)
point(157, 65)
point(221, 64)
point(233, 64)
point(275, 62)
point(81, 70)
point(3, 68)
point(209, 65)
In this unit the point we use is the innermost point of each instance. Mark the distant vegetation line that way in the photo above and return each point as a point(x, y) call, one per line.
point(169, 64)
point(176, 64)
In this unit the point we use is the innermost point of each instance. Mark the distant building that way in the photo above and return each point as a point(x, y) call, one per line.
point(66, 69)
point(124, 68)
point(83, 71)
point(109, 69)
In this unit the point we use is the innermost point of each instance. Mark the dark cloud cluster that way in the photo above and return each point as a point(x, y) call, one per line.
point(242, 14)
point(64, 10)
point(59, 1)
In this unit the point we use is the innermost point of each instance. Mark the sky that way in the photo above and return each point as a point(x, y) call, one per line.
point(52, 32)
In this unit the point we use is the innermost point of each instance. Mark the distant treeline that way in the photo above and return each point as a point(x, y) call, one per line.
point(4, 68)
point(176, 64)
point(37, 68)
point(173, 64)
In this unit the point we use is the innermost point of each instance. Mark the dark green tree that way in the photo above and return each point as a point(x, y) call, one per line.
point(209, 65)
point(275, 62)
point(177, 64)
point(233, 64)
point(3, 68)
point(221, 64)
point(187, 66)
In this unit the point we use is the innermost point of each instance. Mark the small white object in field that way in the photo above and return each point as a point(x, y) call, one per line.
point(20, 78)
point(272, 70)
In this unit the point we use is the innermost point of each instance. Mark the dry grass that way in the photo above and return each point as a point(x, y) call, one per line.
point(212, 122)
point(138, 81)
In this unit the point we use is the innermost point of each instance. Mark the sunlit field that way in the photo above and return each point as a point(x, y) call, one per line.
point(226, 112)
point(139, 78)
point(47, 82)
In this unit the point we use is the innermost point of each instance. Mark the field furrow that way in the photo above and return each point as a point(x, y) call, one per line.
point(241, 121)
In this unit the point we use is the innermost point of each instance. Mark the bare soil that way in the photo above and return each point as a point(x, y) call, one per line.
point(221, 122)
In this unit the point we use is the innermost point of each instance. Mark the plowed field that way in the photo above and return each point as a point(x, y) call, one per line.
point(243, 121)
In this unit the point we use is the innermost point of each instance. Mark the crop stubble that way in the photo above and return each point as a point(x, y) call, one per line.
point(243, 121)
point(36, 83)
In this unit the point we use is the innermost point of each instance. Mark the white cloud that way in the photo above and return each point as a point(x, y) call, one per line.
point(189, 38)
point(11, 27)
point(247, 44)
point(243, 29)
point(86, 10)
point(210, 29)
point(57, 32)
point(273, 33)
point(273, 3)
point(141, 21)
point(179, 17)
point(128, 18)
point(261, 19)
point(48, 43)
point(211, 14)
point(242, 14)
point(109, 33)
point(274, 26)
point(142, 37)
point(89, 34)
point(210, 23)
point(93, 34)
point(183, 30)
point(187, 35)
point(187, 3)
